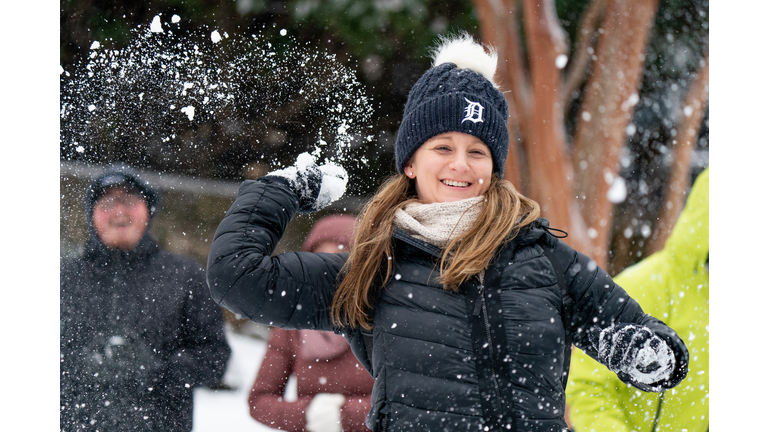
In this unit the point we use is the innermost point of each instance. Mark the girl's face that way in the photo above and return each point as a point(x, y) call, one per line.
point(451, 167)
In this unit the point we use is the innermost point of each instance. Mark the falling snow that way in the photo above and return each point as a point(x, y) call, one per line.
point(561, 61)
point(189, 111)
point(162, 84)
point(156, 26)
point(618, 191)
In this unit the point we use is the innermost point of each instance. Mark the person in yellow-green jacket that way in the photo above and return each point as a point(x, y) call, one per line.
point(672, 285)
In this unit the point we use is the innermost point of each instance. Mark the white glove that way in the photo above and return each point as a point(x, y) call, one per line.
point(634, 351)
point(324, 413)
point(316, 186)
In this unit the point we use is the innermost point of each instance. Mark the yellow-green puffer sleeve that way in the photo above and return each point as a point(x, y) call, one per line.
point(672, 285)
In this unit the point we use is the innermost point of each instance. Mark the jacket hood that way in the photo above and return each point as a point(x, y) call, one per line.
point(688, 244)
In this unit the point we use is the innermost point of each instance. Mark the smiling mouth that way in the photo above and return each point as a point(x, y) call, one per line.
point(455, 183)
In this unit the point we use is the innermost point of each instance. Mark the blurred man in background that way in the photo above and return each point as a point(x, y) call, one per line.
point(138, 328)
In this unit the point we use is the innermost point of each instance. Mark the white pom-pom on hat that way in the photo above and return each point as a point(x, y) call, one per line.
point(465, 53)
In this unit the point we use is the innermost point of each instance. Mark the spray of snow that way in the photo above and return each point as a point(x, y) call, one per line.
point(189, 111)
point(334, 183)
point(628, 232)
point(561, 61)
point(631, 101)
point(156, 26)
point(592, 233)
point(617, 193)
point(239, 80)
point(645, 230)
point(304, 161)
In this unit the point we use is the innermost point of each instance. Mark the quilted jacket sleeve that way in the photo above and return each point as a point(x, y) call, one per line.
point(290, 290)
point(599, 301)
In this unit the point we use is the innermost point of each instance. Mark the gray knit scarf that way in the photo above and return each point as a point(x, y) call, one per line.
point(439, 223)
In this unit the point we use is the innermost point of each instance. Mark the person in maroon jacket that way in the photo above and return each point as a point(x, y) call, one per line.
point(334, 390)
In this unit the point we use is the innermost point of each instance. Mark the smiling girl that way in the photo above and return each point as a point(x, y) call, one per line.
point(456, 297)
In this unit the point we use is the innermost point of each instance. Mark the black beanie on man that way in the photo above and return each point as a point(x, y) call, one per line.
point(119, 175)
point(456, 95)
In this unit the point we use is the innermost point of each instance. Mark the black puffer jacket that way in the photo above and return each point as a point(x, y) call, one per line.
point(488, 356)
point(138, 332)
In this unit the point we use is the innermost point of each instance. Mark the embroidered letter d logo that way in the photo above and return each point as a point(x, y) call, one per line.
point(473, 112)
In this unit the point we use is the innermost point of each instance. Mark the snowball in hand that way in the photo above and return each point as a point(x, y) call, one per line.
point(305, 161)
point(316, 186)
point(657, 355)
point(636, 351)
point(334, 184)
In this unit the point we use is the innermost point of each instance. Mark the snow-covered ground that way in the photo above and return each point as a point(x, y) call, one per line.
point(218, 410)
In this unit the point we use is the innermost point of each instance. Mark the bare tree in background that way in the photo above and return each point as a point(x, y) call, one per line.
point(678, 183)
point(571, 180)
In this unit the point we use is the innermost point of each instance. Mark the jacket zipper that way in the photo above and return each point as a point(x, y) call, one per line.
point(494, 377)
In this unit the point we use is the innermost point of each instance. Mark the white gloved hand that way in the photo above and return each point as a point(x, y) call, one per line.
point(316, 186)
point(324, 413)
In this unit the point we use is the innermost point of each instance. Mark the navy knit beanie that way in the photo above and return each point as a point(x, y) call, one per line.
point(456, 95)
point(119, 174)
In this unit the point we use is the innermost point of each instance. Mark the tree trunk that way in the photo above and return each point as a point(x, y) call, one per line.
point(549, 165)
point(582, 51)
point(610, 95)
point(498, 26)
point(571, 192)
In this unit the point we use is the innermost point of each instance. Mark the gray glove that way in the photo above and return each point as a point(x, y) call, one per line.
point(635, 354)
point(316, 186)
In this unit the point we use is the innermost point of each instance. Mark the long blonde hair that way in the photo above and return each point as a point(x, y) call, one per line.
point(504, 212)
